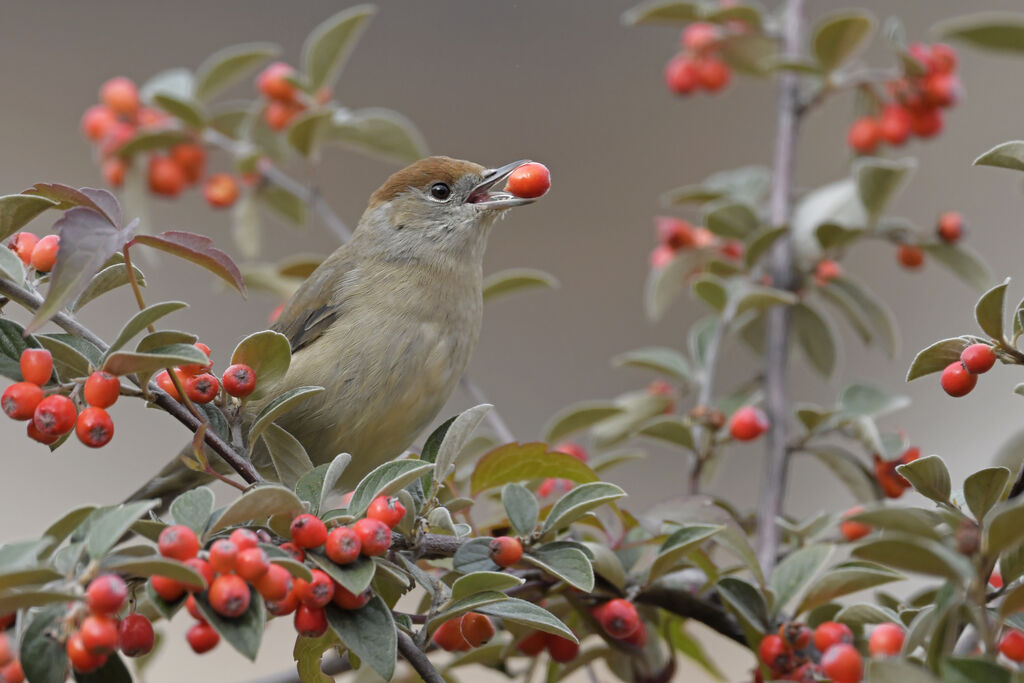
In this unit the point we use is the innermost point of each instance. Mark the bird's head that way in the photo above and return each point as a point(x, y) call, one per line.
point(437, 209)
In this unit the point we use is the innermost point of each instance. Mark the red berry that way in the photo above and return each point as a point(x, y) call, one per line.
point(106, 594)
point(894, 124)
point(192, 607)
point(221, 190)
point(94, 427)
point(940, 90)
point(310, 621)
point(202, 638)
point(273, 82)
point(618, 618)
point(276, 584)
point(748, 423)
point(343, 545)
point(950, 227)
point(374, 536)
point(886, 640)
point(118, 135)
point(168, 589)
point(244, 539)
point(910, 256)
point(574, 449)
point(926, 123)
point(191, 158)
point(942, 59)
point(279, 114)
point(995, 579)
point(178, 542)
point(713, 74)
point(1012, 645)
point(222, 556)
point(529, 180)
point(387, 509)
point(229, 595)
point(774, 653)
point(286, 605)
point(315, 593)
point(827, 270)
point(681, 75)
point(44, 254)
point(196, 368)
point(853, 531)
point(81, 659)
point(252, 563)
point(864, 135)
point(533, 644)
point(55, 415)
point(22, 244)
point(831, 633)
point(121, 95)
point(674, 232)
point(957, 380)
point(637, 638)
point(97, 121)
point(202, 388)
point(99, 634)
point(561, 649)
point(37, 435)
point(448, 636)
point(506, 551)
point(661, 256)
point(308, 531)
point(13, 673)
point(20, 400)
point(700, 36)
point(114, 170)
point(295, 551)
point(346, 599)
point(843, 664)
point(239, 380)
point(166, 384)
point(135, 636)
point(978, 358)
point(101, 389)
point(36, 366)
point(166, 176)
point(476, 628)
point(204, 569)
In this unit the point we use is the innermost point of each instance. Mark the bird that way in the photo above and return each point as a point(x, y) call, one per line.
point(386, 324)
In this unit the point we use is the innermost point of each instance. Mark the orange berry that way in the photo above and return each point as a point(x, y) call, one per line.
point(279, 114)
point(618, 618)
point(97, 121)
point(374, 536)
point(1012, 645)
point(22, 244)
point(853, 531)
point(894, 124)
point(229, 595)
point(20, 400)
point(315, 593)
point(831, 633)
point(843, 664)
point(387, 509)
point(178, 542)
point(864, 135)
point(81, 659)
point(774, 653)
point(505, 551)
point(202, 638)
point(239, 380)
point(55, 415)
point(166, 176)
point(222, 556)
point(308, 531)
point(681, 75)
point(94, 427)
point(886, 640)
point(168, 589)
point(448, 636)
point(310, 622)
point(950, 227)
point(221, 190)
point(99, 634)
point(477, 629)
point(44, 254)
point(276, 584)
point(700, 36)
point(748, 423)
point(121, 95)
point(343, 545)
point(957, 380)
point(113, 170)
point(561, 649)
point(192, 159)
point(202, 388)
point(106, 594)
point(166, 384)
point(529, 181)
point(273, 82)
point(713, 74)
point(910, 256)
point(101, 389)
point(252, 563)
point(978, 358)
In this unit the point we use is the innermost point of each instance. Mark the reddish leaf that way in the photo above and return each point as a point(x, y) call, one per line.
point(200, 251)
point(68, 197)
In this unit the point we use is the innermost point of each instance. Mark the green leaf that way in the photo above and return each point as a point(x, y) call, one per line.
point(141, 320)
point(750, 53)
point(369, 633)
point(528, 614)
point(1003, 527)
point(693, 649)
point(984, 489)
point(878, 181)
point(193, 509)
point(875, 310)
point(896, 671)
point(261, 502)
point(67, 359)
point(929, 477)
point(20, 578)
point(860, 614)
point(290, 459)
point(455, 439)
point(712, 289)
point(111, 523)
point(516, 280)
point(607, 565)
point(474, 556)
point(665, 284)
point(909, 520)
point(760, 241)
point(662, 12)
point(230, 65)
point(11, 601)
point(678, 545)
point(578, 417)
point(307, 132)
point(936, 357)
point(1005, 155)
point(870, 401)
point(838, 37)
point(730, 219)
point(42, 656)
point(848, 469)
point(284, 203)
point(87, 240)
point(989, 310)
point(456, 608)
point(578, 502)
point(795, 572)
point(660, 359)
point(128, 362)
point(479, 582)
point(328, 46)
point(747, 605)
point(154, 566)
point(844, 579)
point(385, 480)
point(355, 577)
point(18, 210)
point(244, 633)
point(913, 554)
point(970, 670)
point(278, 406)
point(106, 280)
point(333, 474)
point(524, 462)
point(522, 508)
point(816, 337)
point(100, 201)
point(308, 654)
point(965, 263)
point(671, 429)
point(188, 111)
point(377, 132)
point(269, 354)
point(11, 267)
point(199, 250)
point(999, 31)
point(565, 562)
point(832, 235)
point(177, 81)
point(144, 142)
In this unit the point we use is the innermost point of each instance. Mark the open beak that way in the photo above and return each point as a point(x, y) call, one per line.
point(484, 196)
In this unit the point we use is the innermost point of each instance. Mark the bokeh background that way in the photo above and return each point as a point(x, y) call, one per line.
point(560, 82)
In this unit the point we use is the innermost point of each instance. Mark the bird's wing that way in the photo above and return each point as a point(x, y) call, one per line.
point(318, 302)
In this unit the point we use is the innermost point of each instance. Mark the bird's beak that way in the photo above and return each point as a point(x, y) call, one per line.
point(483, 196)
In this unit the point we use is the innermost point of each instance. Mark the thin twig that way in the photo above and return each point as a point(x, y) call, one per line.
point(707, 389)
point(417, 658)
point(493, 418)
point(783, 277)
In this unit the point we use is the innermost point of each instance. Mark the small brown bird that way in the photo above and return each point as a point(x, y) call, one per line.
point(388, 322)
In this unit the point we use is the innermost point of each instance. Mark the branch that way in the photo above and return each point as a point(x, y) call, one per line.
point(70, 324)
point(784, 277)
point(332, 665)
point(417, 658)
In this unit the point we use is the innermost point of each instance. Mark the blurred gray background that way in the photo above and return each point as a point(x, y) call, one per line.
point(560, 82)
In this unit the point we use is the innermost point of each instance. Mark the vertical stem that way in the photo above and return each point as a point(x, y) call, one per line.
point(784, 277)
point(703, 437)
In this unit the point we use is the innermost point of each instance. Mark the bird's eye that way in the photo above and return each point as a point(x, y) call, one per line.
point(440, 191)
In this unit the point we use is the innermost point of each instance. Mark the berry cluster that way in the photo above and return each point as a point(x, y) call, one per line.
point(50, 413)
point(120, 117)
point(916, 102)
point(239, 380)
point(93, 637)
point(797, 654)
point(697, 66)
point(675, 235)
point(464, 633)
point(562, 650)
point(960, 376)
point(36, 253)
point(279, 84)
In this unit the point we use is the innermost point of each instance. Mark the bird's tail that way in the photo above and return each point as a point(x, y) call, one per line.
point(173, 479)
